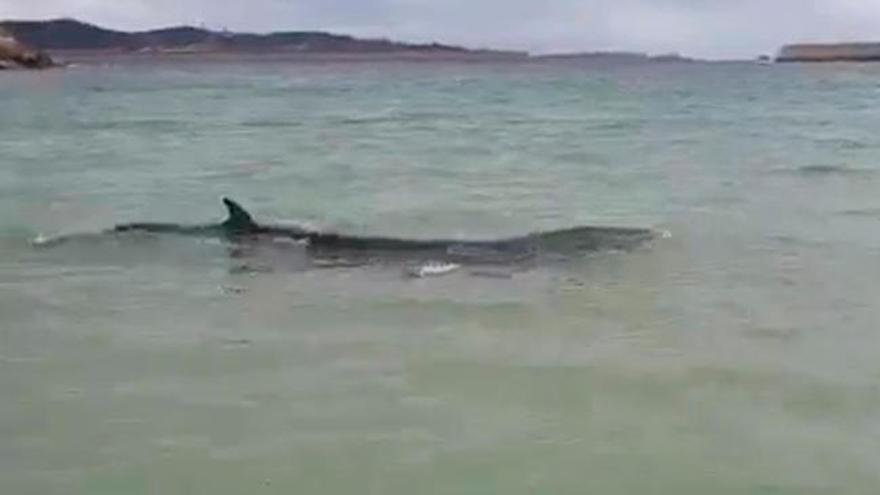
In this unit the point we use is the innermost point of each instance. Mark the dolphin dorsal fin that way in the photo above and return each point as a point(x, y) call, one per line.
point(239, 219)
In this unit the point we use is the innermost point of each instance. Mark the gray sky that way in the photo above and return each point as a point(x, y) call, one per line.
point(705, 28)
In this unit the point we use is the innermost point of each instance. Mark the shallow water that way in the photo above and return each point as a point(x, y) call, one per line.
point(736, 356)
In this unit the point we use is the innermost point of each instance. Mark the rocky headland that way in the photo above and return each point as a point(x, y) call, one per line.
point(16, 55)
point(830, 52)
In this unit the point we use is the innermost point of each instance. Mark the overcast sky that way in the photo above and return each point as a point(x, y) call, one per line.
point(705, 28)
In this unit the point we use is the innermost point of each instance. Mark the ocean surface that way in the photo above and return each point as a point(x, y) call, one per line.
point(737, 355)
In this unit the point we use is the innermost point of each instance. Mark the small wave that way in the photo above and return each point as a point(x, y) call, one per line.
point(391, 116)
point(862, 212)
point(827, 170)
point(379, 119)
point(93, 237)
point(259, 124)
point(794, 240)
point(43, 240)
point(157, 124)
point(846, 143)
point(617, 125)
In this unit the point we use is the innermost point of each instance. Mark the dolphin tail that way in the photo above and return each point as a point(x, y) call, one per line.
point(239, 219)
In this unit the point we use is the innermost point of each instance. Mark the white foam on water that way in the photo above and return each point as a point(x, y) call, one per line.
point(434, 269)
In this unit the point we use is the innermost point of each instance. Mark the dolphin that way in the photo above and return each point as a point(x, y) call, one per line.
point(239, 226)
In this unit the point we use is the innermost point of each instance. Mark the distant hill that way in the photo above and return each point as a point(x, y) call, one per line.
point(68, 34)
point(831, 52)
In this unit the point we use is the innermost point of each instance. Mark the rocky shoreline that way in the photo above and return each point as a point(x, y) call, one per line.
point(14, 55)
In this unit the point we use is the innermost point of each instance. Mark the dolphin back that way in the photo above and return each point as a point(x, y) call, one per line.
point(239, 223)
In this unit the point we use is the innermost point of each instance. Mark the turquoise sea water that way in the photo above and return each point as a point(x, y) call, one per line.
point(737, 356)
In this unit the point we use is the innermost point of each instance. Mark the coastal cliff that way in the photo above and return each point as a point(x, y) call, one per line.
point(833, 52)
point(71, 35)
